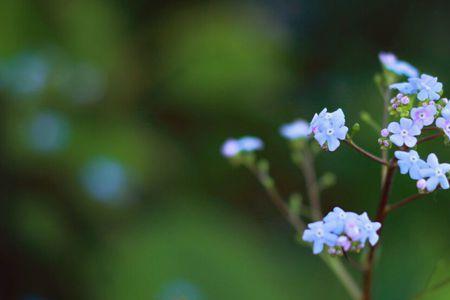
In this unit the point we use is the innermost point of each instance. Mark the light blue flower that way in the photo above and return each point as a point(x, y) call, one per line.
point(404, 132)
point(404, 87)
point(329, 128)
point(399, 67)
point(369, 230)
point(428, 87)
point(231, 147)
point(338, 217)
point(435, 173)
point(410, 162)
point(424, 115)
point(250, 143)
point(320, 234)
point(295, 130)
point(444, 121)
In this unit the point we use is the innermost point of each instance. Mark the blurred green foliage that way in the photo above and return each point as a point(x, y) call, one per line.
point(155, 88)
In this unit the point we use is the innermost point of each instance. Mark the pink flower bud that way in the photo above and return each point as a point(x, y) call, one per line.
point(421, 184)
point(384, 132)
point(405, 100)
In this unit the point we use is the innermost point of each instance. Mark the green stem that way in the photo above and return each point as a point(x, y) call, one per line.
point(343, 275)
point(333, 263)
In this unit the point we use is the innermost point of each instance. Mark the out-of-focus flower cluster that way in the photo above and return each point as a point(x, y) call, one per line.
point(341, 232)
point(246, 144)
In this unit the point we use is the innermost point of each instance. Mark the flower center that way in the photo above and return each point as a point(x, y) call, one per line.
point(413, 158)
point(319, 232)
point(330, 131)
point(368, 226)
point(404, 132)
point(438, 172)
point(328, 116)
point(342, 215)
point(422, 115)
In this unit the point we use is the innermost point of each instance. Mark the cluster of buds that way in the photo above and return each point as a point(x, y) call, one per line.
point(384, 141)
point(399, 105)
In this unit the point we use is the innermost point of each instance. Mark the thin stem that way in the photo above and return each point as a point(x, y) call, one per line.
point(343, 275)
point(384, 152)
point(429, 138)
point(334, 264)
point(277, 200)
point(381, 215)
point(309, 172)
point(366, 153)
point(399, 204)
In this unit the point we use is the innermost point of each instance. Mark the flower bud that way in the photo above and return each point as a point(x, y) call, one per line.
point(384, 132)
point(421, 184)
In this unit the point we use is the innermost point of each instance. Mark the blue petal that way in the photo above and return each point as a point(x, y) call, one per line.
point(432, 183)
point(318, 247)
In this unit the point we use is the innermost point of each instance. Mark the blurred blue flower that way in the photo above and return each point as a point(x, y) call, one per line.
point(399, 67)
point(232, 147)
point(410, 162)
point(180, 290)
point(404, 132)
point(105, 179)
point(25, 74)
point(435, 173)
point(48, 132)
point(295, 130)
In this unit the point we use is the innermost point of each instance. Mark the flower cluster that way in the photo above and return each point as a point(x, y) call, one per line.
point(328, 128)
point(341, 232)
point(399, 67)
point(426, 87)
point(233, 147)
point(298, 129)
point(430, 174)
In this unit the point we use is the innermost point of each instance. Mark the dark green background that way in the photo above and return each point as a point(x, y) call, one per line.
point(178, 78)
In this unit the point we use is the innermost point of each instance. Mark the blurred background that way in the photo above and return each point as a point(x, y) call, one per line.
point(112, 117)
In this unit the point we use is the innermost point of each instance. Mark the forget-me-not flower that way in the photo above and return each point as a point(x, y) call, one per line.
point(369, 230)
point(405, 87)
point(250, 143)
point(295, 130)
point(399, 67)
point(410, 162)
point(428, 87)
point(443, 122)
point(424, 115)
point(338, 217)
point(319, 233)
point(232, 147)
point(404, 132)
point(435, 173)
point(329, 128)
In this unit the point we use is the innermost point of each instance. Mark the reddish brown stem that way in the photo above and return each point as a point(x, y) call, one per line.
point(381, 215)
point(429, 138)
point(399, 204)
point(366, 153)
